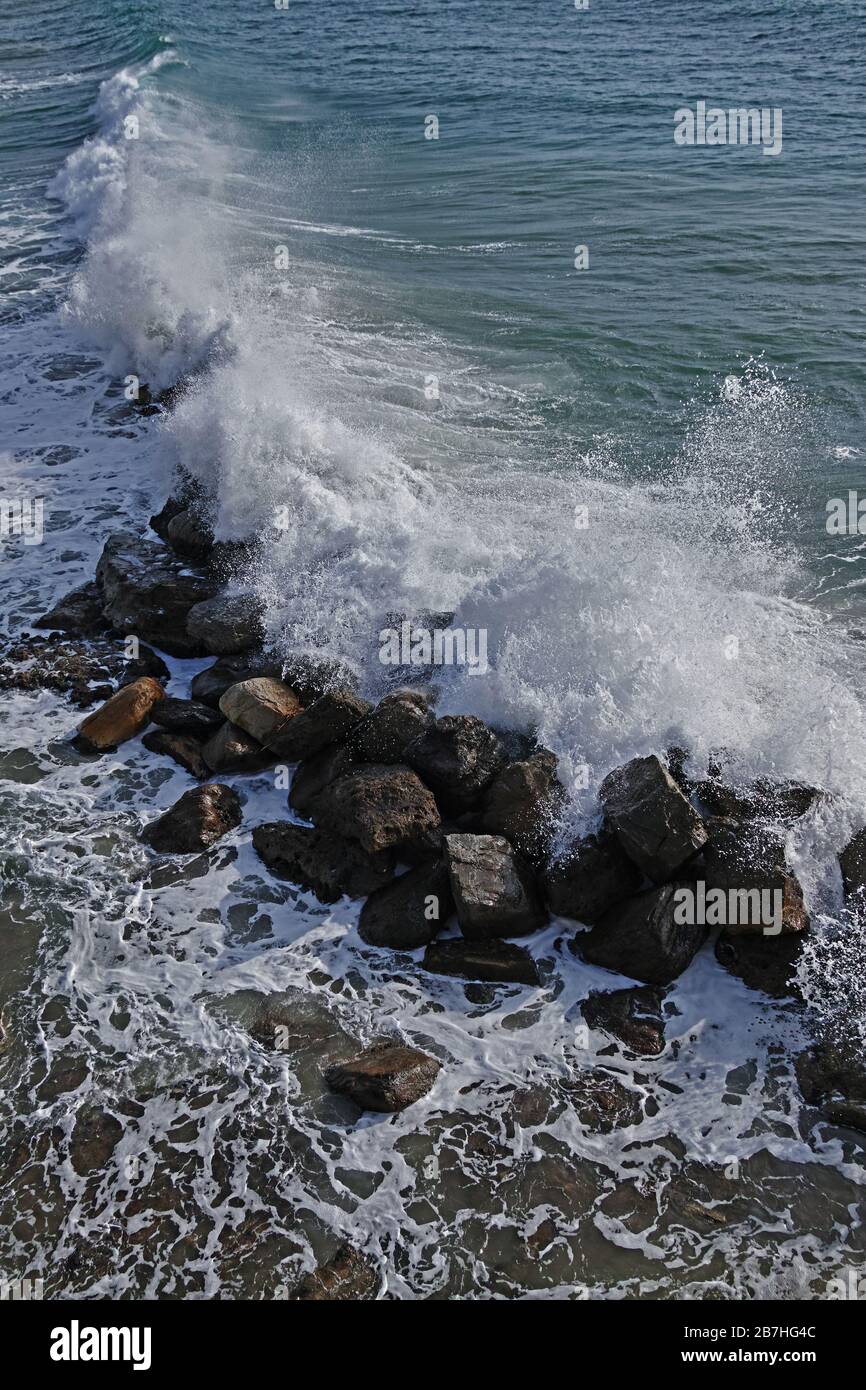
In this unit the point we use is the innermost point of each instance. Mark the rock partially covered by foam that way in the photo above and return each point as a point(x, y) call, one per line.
point(832, 1076)
point(642, 938)
point(348, 1276)
point(200, 818)
point(386, 1077)
point(121, 717)
point(410, 911)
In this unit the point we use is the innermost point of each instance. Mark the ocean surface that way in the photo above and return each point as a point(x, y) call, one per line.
point(620, 472)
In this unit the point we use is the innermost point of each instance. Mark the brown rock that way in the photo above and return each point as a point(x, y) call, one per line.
point(329, 719)
point(262, 707)
point(321, 862)
point(348, 1276)
point(458, 757)
point(185, 751)
point(200, 818)
point(523, 802)
point(634, 1016)
point(121, 717)
point(385, 1077)
point(602, 1103)
point(499, 962)
point(408, 912)
point(382, 807)
point(656, 825)
point(494, 891)
point(591, 877)
point(385, 733)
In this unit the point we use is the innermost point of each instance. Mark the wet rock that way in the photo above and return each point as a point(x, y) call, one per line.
point(121, 717)
point(189, 717)
point(190, 536)
point(313, 676)
point(330, 719)
point(458, 757)
point(210, 685)
point(782, 801)
point(408, 912)
point(314, 774)
point(386, 732)
point(176, 504)
point(227, 624)
point(232, 750)
point(320, 861)
point(301, 1023)
point(200, 818)
point(262, 707)
point(523, 802)
point(499, 962)
point(590, 878)
point(386, 1077)
point(86, 670)
point(766, 963)
point(182, 749)
point(382, 807)
point(832, 1077)
point(634, 1016)
point(147, 591)
point(494, 891)
point(601, 1102)
point(640, 938)
point(852, 862)
point(95, 1136)
point(79, 612)
point(746, 860)
point(347, 1276)
point(656, 825)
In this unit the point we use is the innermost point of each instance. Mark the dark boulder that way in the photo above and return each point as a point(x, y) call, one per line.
point(189, 717)
point(494, 892)
point(832, 1077)
point(200, 818)
point(382, 807)
point(330, 719)
point(321, 862)
point(147, 591)
point(182, 749)
point(386, 1077)
point(313, 775)
point(766, 963)
point(189, 535)
point(210, 685)
point(641, 938)
point(458, 757)
point(852, 862)
point(227, 624)
point(656, 825)
point(763, 799)
point(748, 859)
point(232, 750)
point(634, 1016)
point(79, 612)
point(498, 962)
point(591, 877)
point(408, 912)
point(313, 676)
point(523, 802)
point(386, 732)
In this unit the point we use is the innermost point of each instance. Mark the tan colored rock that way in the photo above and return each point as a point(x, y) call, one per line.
point(123, 716)
point(262, 707)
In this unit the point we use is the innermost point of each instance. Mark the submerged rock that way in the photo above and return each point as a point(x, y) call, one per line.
point(656, 825)
point(382, 807)
point(189, 717)
point(262, 707)
point(95, 1135)
point(79, 612)
point(200, 818)
point(327, 720)
point(494, 891)
point(499, 962)
point(640, 938)
point(386, 1077)
point(121, 717)
point(347, 1276)
point(408, 912)
point(147, 591)
point(386, 732)
point(633, 1016)
point(458, 757)
point(591, 877)
point(522, 803)
point(232, 750)
point(601, 1102)
point(227, 624)
point(320, 861)
point(182, 749)
point(833, 1078)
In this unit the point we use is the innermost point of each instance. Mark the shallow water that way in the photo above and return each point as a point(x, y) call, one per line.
point(425, 395)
